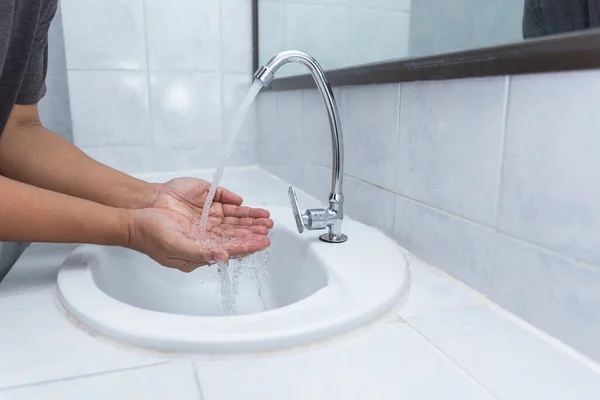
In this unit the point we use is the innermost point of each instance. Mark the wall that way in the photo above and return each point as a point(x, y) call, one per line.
point(491, 179)
point(442, 26)
point(339, 33)
point(153, 83)
point(54, 113)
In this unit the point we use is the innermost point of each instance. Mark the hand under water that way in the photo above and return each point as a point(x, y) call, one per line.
point(168, 230)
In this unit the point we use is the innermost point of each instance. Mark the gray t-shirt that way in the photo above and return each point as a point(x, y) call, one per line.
point(23, 52)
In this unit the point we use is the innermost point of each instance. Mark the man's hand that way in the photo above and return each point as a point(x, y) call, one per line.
point(186, 196)
point(175, 240)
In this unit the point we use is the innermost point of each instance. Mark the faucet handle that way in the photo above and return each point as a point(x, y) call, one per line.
point(298, 216)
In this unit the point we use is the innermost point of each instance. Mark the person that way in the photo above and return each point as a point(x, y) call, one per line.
point(50, 191)
point(551, 17)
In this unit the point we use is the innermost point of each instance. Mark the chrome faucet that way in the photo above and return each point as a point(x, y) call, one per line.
point(332, 217)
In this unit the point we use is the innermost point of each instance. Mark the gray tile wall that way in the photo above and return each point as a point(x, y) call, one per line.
point(153, 84)
point(490, 179)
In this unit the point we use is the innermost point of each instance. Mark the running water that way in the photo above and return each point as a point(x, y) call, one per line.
point(233, 133)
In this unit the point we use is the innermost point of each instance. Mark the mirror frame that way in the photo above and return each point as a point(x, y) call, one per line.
point(565, 52)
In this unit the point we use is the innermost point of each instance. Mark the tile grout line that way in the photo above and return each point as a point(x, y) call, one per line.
point(500, 174)
point(148, 85)
point(197, 379)
point(84, 376)
point(452, 360)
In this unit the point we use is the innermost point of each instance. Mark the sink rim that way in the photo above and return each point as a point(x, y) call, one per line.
point(350, 299)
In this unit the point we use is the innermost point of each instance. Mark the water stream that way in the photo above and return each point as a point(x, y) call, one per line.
point(233, 133)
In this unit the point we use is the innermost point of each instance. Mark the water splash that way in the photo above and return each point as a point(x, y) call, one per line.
point(225, 288)
point(234, 131)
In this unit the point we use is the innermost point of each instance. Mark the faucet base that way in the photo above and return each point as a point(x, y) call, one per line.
point(329, 238)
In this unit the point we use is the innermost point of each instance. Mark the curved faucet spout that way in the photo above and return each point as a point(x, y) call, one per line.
point(334, 215)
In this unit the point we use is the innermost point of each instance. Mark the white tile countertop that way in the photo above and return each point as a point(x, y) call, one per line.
point(446, 342)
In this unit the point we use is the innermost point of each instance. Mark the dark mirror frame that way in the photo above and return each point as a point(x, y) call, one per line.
point(566, 52)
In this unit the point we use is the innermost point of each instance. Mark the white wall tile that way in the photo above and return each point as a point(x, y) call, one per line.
point(385, 4)
point(186, 107)
point(184, 35)
point(235, 89)
point(549, 194)
point(185, 157)
point(369, 204)
point(558, 295)
point(236, 41)
point(130, 160)
point(109, 108)
point(171, 381)
point(286, 167)
point(316, 137)
point(33, 347)
point(104, 34)
point(510, 361)
point(268, 118)
point(316, 181)
point(289, 118)
point(370, 122)
point(378, 35)
point(459, 247)
point(450, 144)
point(394, 363)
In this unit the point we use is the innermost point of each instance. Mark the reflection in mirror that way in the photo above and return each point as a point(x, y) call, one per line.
point(346, 33)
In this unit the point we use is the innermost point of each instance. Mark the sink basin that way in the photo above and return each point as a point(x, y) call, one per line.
point(307, 290)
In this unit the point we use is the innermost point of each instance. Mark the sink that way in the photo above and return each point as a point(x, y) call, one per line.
point(309, 290)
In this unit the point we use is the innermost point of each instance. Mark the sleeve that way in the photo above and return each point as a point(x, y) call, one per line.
point(533, 25)
point(33, 87)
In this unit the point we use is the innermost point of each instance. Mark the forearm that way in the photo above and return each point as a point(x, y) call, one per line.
point(30, 214)
point(37, 156)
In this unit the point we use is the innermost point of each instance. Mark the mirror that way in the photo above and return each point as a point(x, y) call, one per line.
point(348, 33)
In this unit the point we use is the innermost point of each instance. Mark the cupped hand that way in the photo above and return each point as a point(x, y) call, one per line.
point(175, 241)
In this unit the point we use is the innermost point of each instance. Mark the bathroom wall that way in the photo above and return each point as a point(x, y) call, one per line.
point(442, 26)
point(491, 179)
point(153, 83)
point(54, 113)
point(339, 33)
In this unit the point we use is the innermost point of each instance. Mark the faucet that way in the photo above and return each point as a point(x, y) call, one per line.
point(332, 217)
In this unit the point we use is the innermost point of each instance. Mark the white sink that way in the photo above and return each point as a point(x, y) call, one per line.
point(313, 290)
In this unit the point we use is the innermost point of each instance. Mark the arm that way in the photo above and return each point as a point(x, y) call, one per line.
point(30, 214)
point(34, 155)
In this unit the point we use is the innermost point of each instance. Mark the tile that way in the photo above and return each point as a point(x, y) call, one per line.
point(512, 362)
point(118, 112)
point(451, 143)
point(370, 120)
point(40, 344)
point(184, 157)
point(55, 108)
point(271, 29)
point(309, 28)
point(131, 160)
point(433, 292)
point(36, 269)
point(281, 165)
point(57, 64)
point(186, 107)
point(386, 362)
point(288, 138)
point(236, 40)
point(459, 247)
point(316, 182)
point(267, 117)
point(369, 204)
point(235, 90)
point(385, 4)
point(104, 34)
point(164, 382)
point(389, 29)
point(243, 154)
point(548, 194)
point(316, 142)
point(557, 295)
point(183, 35)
